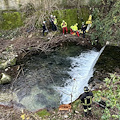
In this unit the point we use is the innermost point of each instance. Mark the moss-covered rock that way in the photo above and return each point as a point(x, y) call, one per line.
point(10, 20)
point(5, 79)
point(3, 65)
point(7, 63)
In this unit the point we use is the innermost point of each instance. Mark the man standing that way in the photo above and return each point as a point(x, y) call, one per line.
point(83, 29)
point(86, 99)
point(64, 27)
point(44, 28)
point(89, 22)
point(55, 23)
point(52, 22)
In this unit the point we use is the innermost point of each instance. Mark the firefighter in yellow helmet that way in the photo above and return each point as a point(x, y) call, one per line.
point(74, 28)
point(89, 23)
point(86, 99)
point(64, 27)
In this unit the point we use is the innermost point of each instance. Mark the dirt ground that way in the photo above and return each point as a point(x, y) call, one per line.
point(27, 43)
point(16, 114)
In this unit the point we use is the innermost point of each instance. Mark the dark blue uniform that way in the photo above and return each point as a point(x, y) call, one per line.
point(86, 99)
point(84, 27)
point(44, 28)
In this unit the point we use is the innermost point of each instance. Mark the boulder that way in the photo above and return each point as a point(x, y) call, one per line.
point(8, 63)
point(5, 79)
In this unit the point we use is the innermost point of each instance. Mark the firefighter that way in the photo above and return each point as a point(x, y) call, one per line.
point(55, 23)
point(64, 27)
point(89, 23)
point(86, 99)
point(52, 21)
point(44, 27)
point(83, 29)
point(74, 28)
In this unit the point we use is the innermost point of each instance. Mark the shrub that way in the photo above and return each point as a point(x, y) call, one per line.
point(112, 94)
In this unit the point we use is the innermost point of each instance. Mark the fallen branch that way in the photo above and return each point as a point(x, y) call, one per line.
point(16, 78)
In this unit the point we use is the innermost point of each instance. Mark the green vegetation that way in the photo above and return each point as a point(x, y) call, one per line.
point(43, 113)
point(75, 105)
point(105, 14)
point(106, 22)
point(71, 16)
point(112, 93)
point(106, 27)
point(10, 20)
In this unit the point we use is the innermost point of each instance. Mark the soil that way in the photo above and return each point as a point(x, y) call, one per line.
point(16, 114)
point(45, 44)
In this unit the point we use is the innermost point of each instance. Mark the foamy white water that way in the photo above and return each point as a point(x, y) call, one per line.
point(81, 71)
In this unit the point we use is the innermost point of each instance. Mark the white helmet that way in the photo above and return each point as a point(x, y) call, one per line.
point(44, 22)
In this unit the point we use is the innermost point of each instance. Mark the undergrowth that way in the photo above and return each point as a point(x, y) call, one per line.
point(106, 22)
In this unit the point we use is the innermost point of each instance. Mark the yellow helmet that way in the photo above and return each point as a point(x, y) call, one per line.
point(76, 24)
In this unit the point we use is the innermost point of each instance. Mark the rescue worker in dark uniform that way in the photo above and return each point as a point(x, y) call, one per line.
point(84, 27)
point(52, 22)
point(86, 99)
point(55, 23)
point(44, 28)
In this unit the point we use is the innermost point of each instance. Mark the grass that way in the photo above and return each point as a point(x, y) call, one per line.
point(43, 113)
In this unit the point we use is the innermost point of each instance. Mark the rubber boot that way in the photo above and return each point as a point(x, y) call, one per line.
point(89, 113)
point(85, 113)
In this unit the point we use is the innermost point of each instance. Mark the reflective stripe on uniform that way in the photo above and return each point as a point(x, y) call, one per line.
point(85, 100)
point(85, 110)
point(55, 21)
point(63, 24)
point(89, 108)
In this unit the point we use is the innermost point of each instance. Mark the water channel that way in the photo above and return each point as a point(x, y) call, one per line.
point(50, 80)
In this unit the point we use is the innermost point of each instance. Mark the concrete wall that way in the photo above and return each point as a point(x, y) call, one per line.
point(14, 4)
point(9, 4)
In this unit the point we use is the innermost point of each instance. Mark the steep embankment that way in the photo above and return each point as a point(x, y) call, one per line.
point(107, 22)
point(106, 27)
